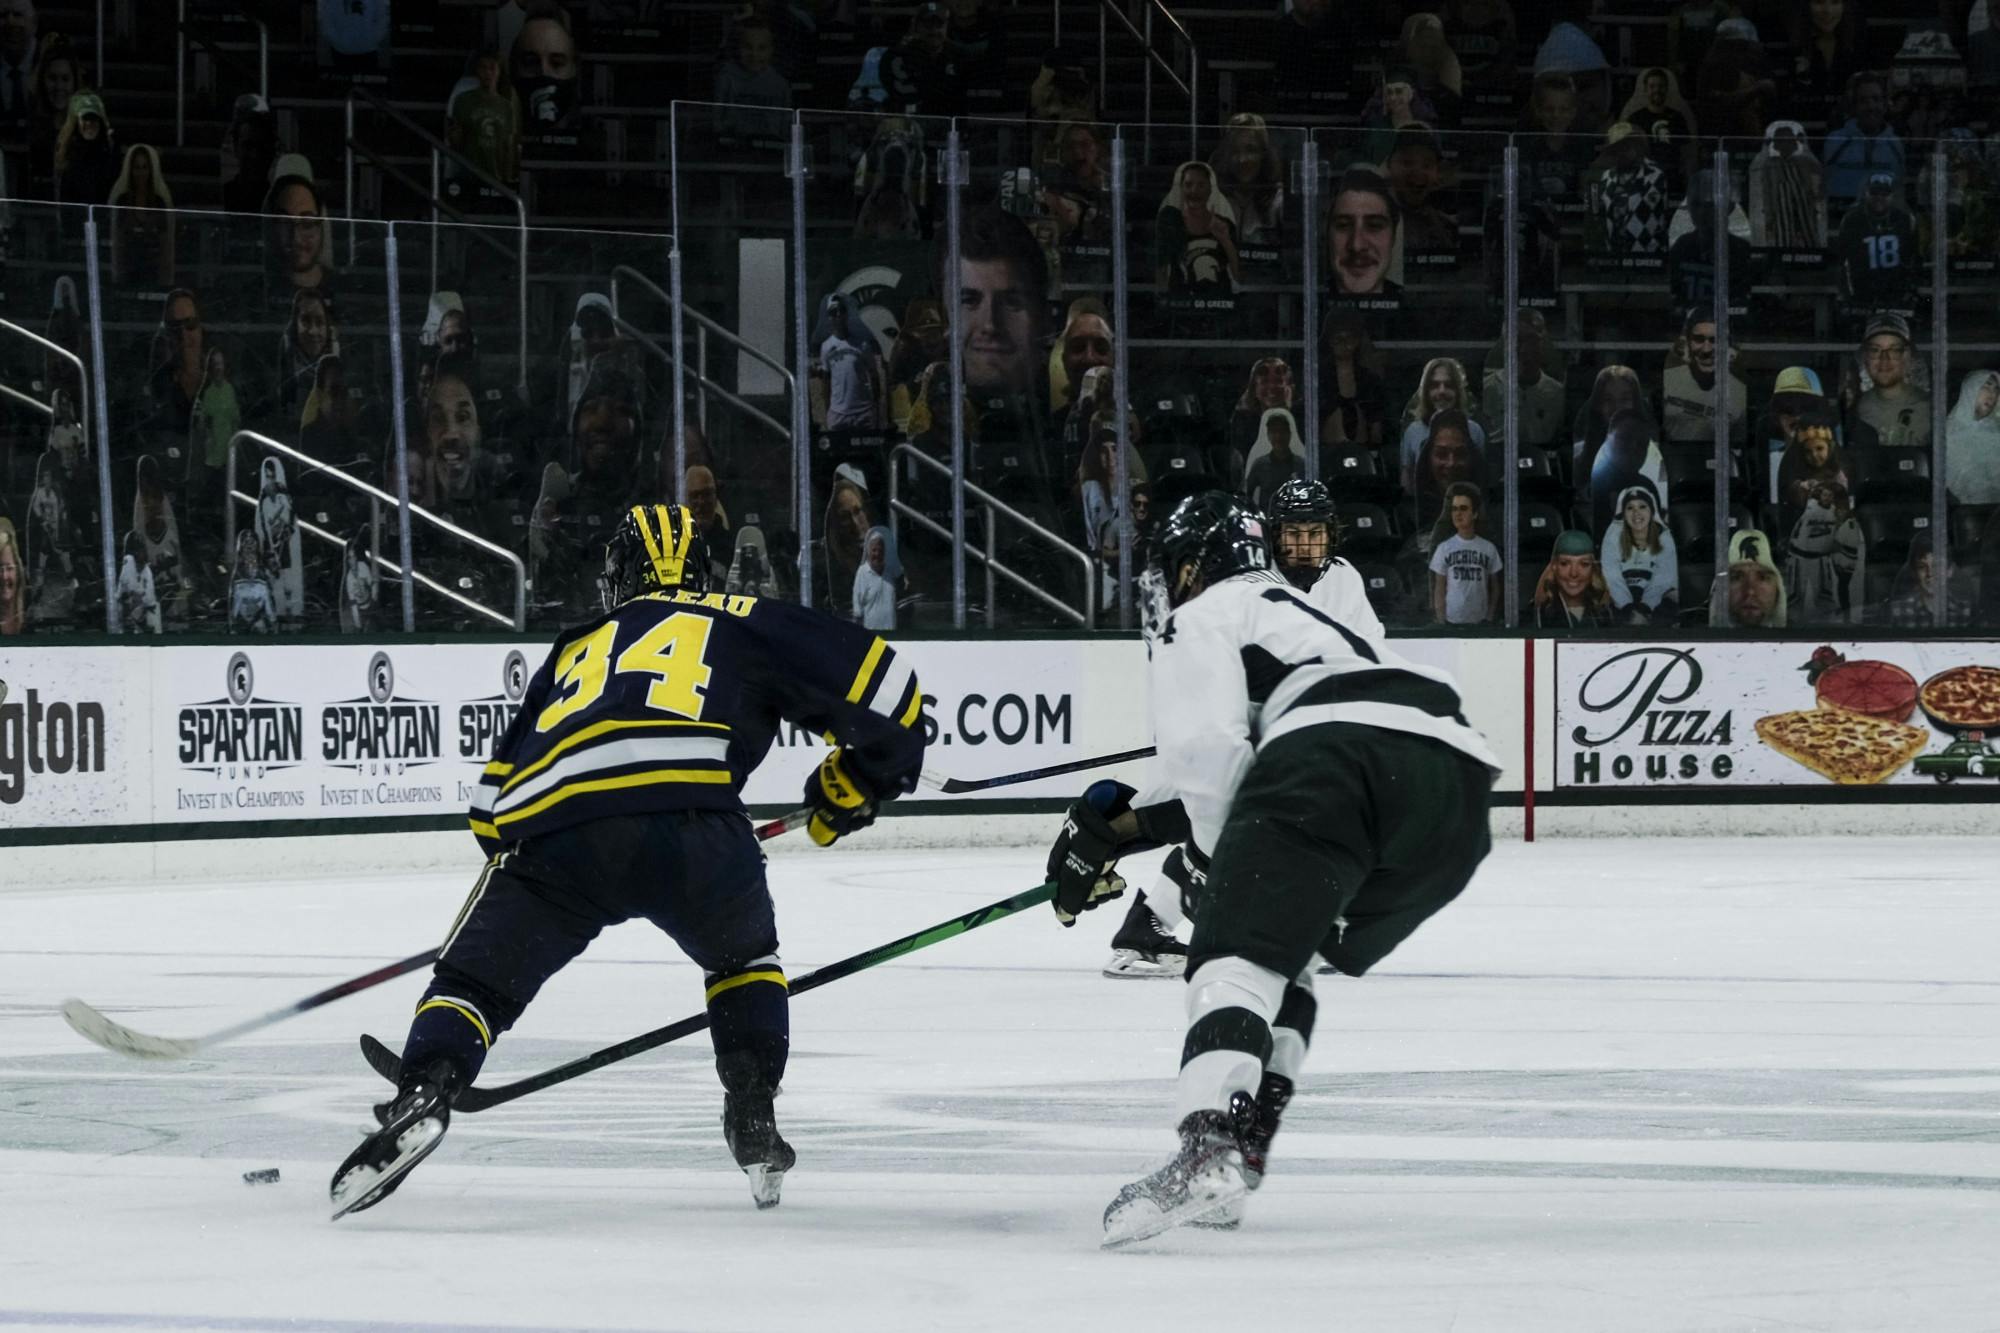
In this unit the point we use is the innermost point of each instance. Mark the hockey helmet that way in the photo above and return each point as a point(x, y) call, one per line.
point(1206, 539)
point(1302, 504)
point(654, 549)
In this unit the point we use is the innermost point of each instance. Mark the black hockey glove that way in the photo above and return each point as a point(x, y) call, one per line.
point(1085, 852)
point(840, 801)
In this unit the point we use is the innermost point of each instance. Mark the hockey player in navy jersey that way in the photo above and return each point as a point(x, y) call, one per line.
point(1343, 796)
point(616, 794)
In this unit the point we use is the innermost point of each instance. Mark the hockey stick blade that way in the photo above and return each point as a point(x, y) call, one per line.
point(952, 786)
point(94, 1027)
point(476, 1099)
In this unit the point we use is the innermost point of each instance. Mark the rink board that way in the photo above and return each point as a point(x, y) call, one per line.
point(1662, 715)
point(182, 741)
point(194, 740)
point(131, 742)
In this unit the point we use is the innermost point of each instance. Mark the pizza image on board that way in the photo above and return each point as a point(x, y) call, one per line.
point(1851, 749)
point(1963, 699)
point(1866, 686)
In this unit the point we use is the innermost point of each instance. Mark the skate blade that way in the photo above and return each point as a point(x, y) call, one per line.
point(1144, 1220)
point(1226, 1218)
point(362, 1186)
point(766, 1184)
point(1131, 965)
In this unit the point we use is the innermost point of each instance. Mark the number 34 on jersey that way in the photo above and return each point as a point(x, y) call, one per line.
point(669, 701)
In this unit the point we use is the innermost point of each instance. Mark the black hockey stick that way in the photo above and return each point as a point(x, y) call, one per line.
point(94, 1026)
point(384, 1061)
point(954, 785)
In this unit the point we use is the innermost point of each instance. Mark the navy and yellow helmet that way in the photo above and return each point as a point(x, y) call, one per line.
point(655, 549)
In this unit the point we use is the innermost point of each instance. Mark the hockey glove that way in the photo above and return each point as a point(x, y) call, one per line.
point(840, 802)
point(1085, 852)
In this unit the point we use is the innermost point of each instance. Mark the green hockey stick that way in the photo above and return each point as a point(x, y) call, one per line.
point(385, 1062)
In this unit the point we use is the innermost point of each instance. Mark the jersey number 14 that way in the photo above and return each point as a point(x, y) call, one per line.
point(672, 652)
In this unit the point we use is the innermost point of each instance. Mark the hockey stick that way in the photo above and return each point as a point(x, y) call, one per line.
point(384, 1061)
point(95, 1027)
point(796, 819)
point(941, 783)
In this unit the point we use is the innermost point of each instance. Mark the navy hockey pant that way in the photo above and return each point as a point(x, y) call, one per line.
point(696, 874)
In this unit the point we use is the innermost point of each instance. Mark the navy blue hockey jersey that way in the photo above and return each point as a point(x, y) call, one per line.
point(671, 700)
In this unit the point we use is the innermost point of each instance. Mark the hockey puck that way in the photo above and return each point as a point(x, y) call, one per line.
point(268, 1176)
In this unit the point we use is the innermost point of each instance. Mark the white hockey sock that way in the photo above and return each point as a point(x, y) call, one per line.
point(1231, 1004)
point(1164, 902)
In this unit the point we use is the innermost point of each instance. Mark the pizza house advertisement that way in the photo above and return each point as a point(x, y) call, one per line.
point(1777, 714)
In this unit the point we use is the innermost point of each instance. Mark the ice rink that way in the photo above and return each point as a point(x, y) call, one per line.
point(1621, 1085)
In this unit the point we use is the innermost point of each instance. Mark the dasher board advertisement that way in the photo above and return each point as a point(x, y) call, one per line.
point(73, 740)
point(194, 735)
point(1791, 714)
point(332, 731)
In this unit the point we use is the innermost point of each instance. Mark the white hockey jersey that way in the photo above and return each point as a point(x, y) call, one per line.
point(1252, 659)
point(1342, 595)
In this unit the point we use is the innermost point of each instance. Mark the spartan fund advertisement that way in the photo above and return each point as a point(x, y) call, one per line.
point(181, 736)
point(258, 732)
point(1777, 714)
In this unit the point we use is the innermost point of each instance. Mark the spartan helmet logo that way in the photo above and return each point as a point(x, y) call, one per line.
point(381, 678)
point(514, 676)
point(241, 679)
point(1753, 550)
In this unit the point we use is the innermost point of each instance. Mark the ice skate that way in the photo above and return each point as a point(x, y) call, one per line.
point(1272, 1097)
point(413, 1124)
point(750, 1125)
point(1143, 948)
point(1204, 1178)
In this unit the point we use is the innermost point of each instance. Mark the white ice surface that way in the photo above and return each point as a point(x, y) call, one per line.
point(1678, 1085)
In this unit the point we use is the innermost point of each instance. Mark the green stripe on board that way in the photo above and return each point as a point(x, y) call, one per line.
point(1566, 798)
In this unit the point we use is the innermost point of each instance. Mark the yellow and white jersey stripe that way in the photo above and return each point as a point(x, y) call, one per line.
point(671, 700)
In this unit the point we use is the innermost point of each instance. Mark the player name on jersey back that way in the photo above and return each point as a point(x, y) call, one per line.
point(670, 701)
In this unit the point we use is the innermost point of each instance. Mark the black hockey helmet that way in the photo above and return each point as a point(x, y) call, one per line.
point(1303, 503)
point(1207, 537)
point(654, 549)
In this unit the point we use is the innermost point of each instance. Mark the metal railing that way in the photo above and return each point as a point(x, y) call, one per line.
point(1190, 87)
point(82, 377)
point(989, 558)
point(624, 273)
point(27, 401)
point(440, 151)
point(377, 498)
point(321, 535)
point(181, 39)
